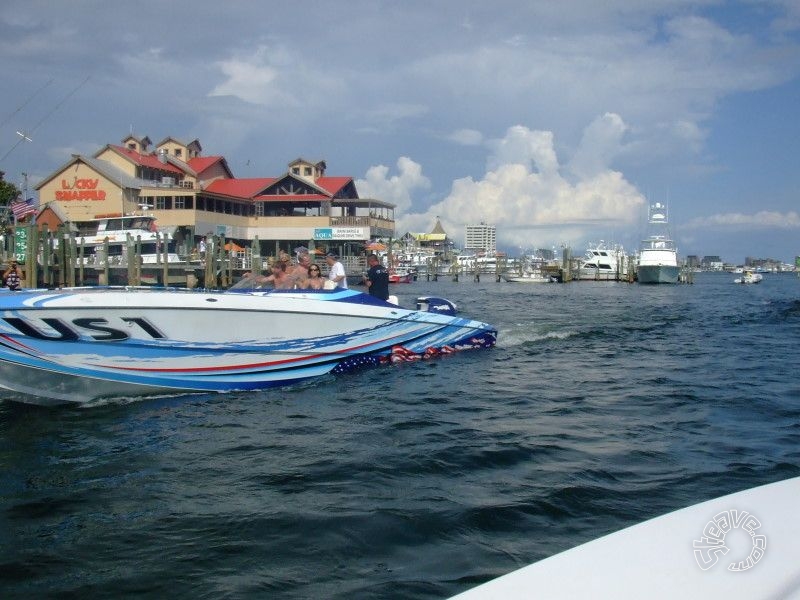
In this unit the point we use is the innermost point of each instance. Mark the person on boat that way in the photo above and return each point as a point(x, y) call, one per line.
point(12, 278)
point(336, 272)
point(299, 272)
point(377, 278)
point(280, 278)
point(315, 280)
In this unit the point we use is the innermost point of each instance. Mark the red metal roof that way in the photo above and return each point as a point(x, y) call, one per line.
point(240, 188)
point(201, 163)
point(332, 184)
point(145, 160)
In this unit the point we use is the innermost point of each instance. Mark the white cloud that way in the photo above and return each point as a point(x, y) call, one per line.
point(466, 137)
point(397, 189)
point(524, 194)
point(765, 219)
point(251, 78)
point(600, 143)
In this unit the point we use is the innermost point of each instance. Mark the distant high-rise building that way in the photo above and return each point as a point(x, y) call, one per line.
point(480, 238)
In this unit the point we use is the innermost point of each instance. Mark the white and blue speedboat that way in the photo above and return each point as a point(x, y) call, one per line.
point(80, 345)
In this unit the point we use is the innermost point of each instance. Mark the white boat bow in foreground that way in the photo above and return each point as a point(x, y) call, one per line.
point(83, 344)
point(744, 545)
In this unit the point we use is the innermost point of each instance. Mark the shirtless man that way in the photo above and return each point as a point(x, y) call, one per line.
point(299, 272)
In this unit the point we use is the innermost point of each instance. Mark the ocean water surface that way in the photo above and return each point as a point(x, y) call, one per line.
point(602, 405)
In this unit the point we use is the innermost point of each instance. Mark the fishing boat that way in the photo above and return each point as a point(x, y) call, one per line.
point(529, 269)
point(82, 345)
point(749, 276)
point(604, 262)
point(121, 232)
point(658, 256)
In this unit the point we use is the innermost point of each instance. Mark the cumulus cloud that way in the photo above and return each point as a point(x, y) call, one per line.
point(251, 78)
point(765, 219)
point(397, 189)
point(526, 196)
point(601, 142)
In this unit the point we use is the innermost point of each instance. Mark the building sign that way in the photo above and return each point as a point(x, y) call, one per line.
point(341, 233)
point(80, 189)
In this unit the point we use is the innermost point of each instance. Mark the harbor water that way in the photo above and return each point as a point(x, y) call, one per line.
point(603, 404)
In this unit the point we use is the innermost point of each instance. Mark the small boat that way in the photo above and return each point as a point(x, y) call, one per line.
point(749, 276)
point(400, 275)
point(743, 545)
point(658, 256)
point(527, 277)
point(81, 345)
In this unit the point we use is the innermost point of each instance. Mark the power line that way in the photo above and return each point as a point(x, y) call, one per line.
point(23, 136)
point(24, 104)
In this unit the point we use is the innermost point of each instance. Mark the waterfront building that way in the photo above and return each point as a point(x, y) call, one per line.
point(197, 196)
point(480, 238)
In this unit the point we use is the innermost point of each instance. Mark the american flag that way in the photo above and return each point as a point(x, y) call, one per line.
point(22, 209)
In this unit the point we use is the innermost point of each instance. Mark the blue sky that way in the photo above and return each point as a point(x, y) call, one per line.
point(556, 122)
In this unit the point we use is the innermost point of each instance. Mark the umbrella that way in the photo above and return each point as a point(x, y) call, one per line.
point(233, 247)
point(375, 247)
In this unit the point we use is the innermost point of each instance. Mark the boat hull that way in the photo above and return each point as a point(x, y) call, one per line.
point(657, 274)
point(87, 344)
point(527, 279)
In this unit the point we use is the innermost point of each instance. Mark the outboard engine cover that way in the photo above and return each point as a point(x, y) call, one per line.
point(436, 305)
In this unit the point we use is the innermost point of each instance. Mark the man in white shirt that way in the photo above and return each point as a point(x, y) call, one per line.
point(336, 271)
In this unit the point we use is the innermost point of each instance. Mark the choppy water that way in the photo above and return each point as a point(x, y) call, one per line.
point(603, 405)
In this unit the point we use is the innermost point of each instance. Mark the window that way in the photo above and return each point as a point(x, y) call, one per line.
point(178, 152)
point(307, 171)
point(260, 209)
point(295, 170)
point(180, 201)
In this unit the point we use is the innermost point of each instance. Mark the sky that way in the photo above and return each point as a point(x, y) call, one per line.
point(556, 122)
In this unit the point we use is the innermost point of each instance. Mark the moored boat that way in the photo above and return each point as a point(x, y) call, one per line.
point(85, 344)
point(122, 231)
point(658, 256)
point(401, 275)
point(604, 262)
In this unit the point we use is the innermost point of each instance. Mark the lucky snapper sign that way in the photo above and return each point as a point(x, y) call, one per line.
point(80, 189)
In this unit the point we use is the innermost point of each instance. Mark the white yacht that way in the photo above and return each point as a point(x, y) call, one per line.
point(658, 256)
point(139, 231)
point(604, 262)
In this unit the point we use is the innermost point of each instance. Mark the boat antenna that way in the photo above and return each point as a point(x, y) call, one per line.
point(25, 136)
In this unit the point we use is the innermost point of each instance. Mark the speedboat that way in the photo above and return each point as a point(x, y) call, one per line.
point(658, 256)
point(743, 545)
point(749, 276)
point(80, 345)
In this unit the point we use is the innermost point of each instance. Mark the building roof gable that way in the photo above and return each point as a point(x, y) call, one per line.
point(240, 188)
point(144, 160)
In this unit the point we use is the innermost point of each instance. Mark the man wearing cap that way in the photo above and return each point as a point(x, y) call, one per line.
point(336, 271)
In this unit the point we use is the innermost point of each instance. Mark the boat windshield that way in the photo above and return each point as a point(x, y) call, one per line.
point(250, 281)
